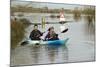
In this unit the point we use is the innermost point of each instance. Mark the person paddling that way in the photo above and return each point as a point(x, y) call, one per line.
point(35, 34)
point(51, 35)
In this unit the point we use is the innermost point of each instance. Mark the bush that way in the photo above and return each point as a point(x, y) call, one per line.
point(17, 32)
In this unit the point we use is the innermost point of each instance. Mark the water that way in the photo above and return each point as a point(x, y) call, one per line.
point(80, 47)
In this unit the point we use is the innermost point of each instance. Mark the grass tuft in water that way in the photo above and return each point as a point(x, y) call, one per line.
point(17, 31)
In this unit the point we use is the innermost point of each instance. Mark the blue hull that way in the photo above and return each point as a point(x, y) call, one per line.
point(57, 43)
point(54, 43)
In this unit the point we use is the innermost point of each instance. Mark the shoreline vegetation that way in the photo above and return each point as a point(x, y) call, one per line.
point(85, 10)
point(17, 31)
point(89, 11)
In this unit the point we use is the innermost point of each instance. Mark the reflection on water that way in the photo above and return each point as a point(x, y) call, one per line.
point(90, 19)
point(38, 55)
point(77, 18)
point(35, 54)
point(52, 52)
point(46, 54)
point(55, 54)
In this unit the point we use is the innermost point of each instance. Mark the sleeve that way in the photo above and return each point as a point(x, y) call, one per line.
point(31, 35)
point(44, 35)
point(40, 33)
point(47, 37)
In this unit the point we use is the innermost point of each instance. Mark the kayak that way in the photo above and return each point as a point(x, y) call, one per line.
point(55, 43)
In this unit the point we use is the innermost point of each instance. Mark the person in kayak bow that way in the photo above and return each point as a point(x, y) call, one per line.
point(51, 35)
point(35, 34)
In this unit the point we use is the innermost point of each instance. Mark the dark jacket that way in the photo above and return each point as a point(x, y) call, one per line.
point(54, 37)
point(35, 35)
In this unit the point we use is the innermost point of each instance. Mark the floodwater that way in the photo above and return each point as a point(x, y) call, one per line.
point(79, 48)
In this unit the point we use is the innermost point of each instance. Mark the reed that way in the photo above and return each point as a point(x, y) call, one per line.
point(17, 32)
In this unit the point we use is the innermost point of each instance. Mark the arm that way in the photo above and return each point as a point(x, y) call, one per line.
point(44, 35)
point(31, 35)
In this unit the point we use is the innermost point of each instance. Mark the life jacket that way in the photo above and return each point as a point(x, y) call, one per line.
point(35, 35)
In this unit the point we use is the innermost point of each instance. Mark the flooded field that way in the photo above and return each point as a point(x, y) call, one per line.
point(79, 48)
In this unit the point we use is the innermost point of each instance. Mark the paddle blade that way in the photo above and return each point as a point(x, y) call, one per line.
point(64, 30)
point(24, 43)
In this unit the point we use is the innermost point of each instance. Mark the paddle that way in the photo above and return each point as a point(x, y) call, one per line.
point(44, 35)
point(64, 30)
point(26, 42)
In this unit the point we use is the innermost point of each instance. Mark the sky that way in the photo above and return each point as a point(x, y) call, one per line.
point(46, 4)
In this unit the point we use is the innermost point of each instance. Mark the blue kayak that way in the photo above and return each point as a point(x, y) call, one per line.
point(55, 43)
